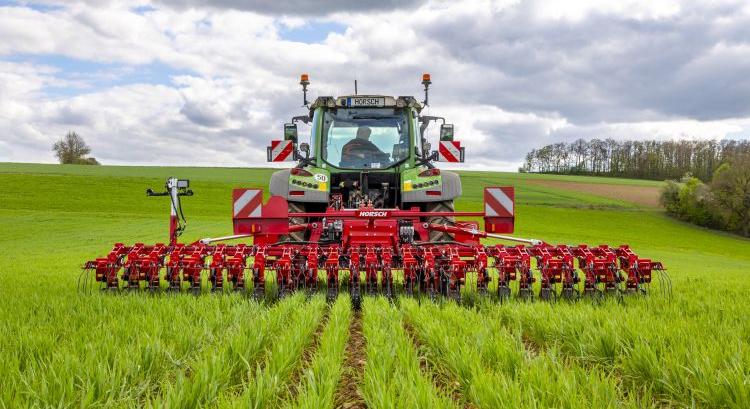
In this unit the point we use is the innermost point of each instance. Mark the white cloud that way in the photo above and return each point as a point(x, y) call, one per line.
point(511, 75)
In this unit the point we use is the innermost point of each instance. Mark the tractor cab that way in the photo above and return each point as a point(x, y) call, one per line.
point(369, 149)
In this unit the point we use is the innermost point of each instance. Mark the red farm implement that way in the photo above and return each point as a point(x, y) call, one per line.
point(370, 250)
point(366, 209)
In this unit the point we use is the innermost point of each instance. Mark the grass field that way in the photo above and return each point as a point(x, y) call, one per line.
point(61, 348)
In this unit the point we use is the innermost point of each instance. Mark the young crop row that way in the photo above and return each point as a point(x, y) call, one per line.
point(495, 369)
point(393, 378)
point(686, 350)
point(267, 382)
point(227, 366)
point(318, 381)
point(101, 350)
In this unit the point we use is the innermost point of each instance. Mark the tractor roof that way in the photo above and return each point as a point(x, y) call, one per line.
point(366, 101)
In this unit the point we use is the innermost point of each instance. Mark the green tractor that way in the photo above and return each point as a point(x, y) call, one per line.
point(366, 150)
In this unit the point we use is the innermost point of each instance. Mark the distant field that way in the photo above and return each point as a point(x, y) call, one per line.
point(61, 348)
point(641, 195)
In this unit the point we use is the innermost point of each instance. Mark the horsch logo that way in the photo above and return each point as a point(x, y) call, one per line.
point(373, 213)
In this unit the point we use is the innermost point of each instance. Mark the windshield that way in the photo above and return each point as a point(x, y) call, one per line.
point(371, 138)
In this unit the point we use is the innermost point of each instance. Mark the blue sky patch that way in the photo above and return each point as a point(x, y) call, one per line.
point(311, 32)
point(142, 9)
point(32, 5)
point(89, 76)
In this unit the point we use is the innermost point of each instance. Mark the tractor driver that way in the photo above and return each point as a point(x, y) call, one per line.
point(360, 151)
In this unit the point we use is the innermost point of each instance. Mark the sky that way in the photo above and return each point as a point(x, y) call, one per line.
point(210, 83)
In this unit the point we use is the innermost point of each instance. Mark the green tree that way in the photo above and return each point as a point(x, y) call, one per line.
point(730, 187)
point(72, 149)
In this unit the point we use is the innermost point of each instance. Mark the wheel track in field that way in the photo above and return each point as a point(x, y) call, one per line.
point(348, 394)
point(441, 379)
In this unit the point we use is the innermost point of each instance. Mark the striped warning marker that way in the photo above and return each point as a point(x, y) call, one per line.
point(280, 150)
point(247, 202)
point(499, 201)
point(449, 151)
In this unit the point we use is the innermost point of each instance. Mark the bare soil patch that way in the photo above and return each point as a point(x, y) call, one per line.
point(647, 196)
point(348, 395)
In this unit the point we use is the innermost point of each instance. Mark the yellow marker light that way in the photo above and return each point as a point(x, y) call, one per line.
point(407, 186)
point(425, 77)
point(304, 78)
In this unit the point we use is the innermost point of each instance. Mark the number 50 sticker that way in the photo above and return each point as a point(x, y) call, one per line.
point(319, 177)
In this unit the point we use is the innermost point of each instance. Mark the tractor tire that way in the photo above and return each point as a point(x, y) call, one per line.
point(295, 207)
point(444, 206)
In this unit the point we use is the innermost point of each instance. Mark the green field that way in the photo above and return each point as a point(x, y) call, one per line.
point(62, 348)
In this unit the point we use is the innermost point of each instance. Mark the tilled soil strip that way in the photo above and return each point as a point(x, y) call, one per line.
point(442, 380)
point(348, 395)
point(647, 196)
point(307, 356)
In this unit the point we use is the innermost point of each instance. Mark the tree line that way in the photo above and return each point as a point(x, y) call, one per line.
point(658, 160)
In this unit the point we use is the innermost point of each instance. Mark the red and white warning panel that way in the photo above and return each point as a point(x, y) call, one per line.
point(246, 203)
point(499, 209)
point(250, 215)
point(450, 151)
point(280, 151)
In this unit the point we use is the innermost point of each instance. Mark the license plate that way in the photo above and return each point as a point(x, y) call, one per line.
point(365, 102)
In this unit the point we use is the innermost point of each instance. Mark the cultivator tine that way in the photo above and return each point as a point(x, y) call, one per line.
point(455, 270)
point(82, 284)
point(667, 292)
point(410, 267)
point(259, 275)
point(217, 267)
point(431, 277)
point(332, 266)
point(482, 270)
point(371, 271)
point(235, 268)
point(600, 271)
point(386, 279)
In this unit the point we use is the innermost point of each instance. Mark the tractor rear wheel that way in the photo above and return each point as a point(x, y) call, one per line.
point(444, 206)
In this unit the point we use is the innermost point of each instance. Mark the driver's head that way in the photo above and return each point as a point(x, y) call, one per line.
point(363, 132)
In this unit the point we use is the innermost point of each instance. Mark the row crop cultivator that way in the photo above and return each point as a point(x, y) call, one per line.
point(366, 208)
point(365, 249)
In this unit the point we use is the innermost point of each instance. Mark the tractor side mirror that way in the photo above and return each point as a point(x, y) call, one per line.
point(399, 151)
point(446, 132)
point(290, 132)
point(305, 148)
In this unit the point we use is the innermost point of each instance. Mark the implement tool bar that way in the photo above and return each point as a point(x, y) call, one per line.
point(390, 213)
